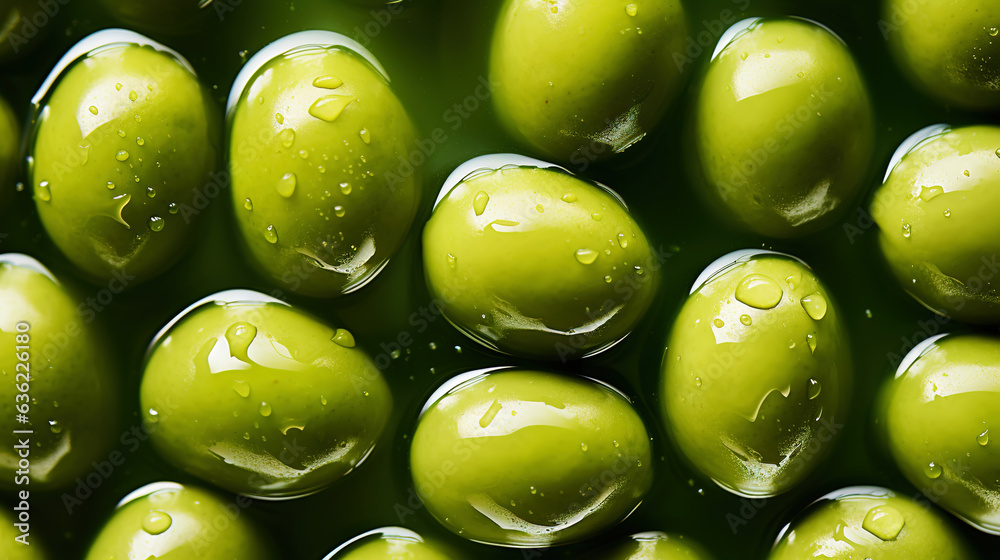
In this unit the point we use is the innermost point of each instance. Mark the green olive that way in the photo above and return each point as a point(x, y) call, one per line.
point(936, 213)
point(16, 539)
point(783, 127)
point(529, 459)
point(322, 195)
point(167, 16)
point(258, 398)
point(756, 374)
point(533, 261)
point(581, 80)
point(10, 146)
point(391, 543)
point(122, 153)
point(869, 522)
point(942, 420)
point(653, 545)
point(70, 398)
point(169, 521)
point(950, 48)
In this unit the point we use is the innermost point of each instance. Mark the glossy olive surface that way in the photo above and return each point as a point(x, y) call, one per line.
point(56, 373)
point(391, 543)
point(942, 423)
point(653, 545)
point(10, 147)
point(258, 398)
point(122, 153)
point(323, 189)
point(536, 262)
point(783, 127)
point(950, 48)
point(169, 521)
point(14, 544)
point(869, 522)
point(756, 373)
point(582, 80)
point(937, 229)
point(526, 458)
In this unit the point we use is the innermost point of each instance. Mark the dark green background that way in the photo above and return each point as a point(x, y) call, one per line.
point(436, 52)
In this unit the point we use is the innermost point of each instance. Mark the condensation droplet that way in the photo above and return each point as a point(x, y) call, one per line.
point(586, 256)
point(155, 223)
point(815, 305)
point(759, 291)
point(932, 470)
point(631, 9)
point(93, 110)
point(248, 204)
point(287, 137)
point(156, 522)
point(271, 234)
point(344, 338)
point(366, 136)
point(983, 438)
point(122, 155)
point(746, 320)
point(479, 202)
point(265, 409)
point(286, 185)
point(813, 389)
point(328, 108)
point(328, 82)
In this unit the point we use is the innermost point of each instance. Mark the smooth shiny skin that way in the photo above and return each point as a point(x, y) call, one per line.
point(949, 48)
point(17, 550)
point(70, 399)
point(783, 127)
point(756, 374)
point(168, 16)
point(869, 522)
point(529, 459)
point(259, 398)
point(324, 191)
point(942, 422)
point(10, 146)
point(936, 213)
point(653, 545)
point(391, 543)
point(582, 80)
point(535, 262)
point(169, 521)
point(123, 151)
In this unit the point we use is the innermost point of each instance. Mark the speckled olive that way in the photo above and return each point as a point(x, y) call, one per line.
point(581, 80)
point(869, 522)
point(324, 190)
point(57, 373)
point(950, 48)
point(10, 145)
point(169, 521)
point(535, 262)
point(391, 543)
point(256, 397)
point(124, 146)
point(936, 213)
point(653, 545)
point(529, 459)
point(756, 374)
point(783, 127)
point(941, 415)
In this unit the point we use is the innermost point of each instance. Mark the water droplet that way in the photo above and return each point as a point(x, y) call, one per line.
point(279, 118)
point(452, 260)
point(966, 173)
point(345, 188)
point(928, 193)
point(322, 400)
point(265, 409)
point(287, 137)
point(121, 133)
point(54, 426)
point(608, 279)
point(242, 388)
point(43, 192)
point(586, 256)
point(286, 185)
point(811, 342)
point(885, 522)
point(583, 446)
point(997, 152)
point(631, 9)
point(156, 522)
point(329, 107)
point(118, 87)
point(906, 230)
point(697, 382)
point(93, 110)
point(569, 197)
point(993, 31)
point(539, 208)
point(813, 389)
point(719, 323)
point(490, 414)
point(328, 82)
point(479, 202)
point(344, 338)
point(932, 470)
point(622, 240)
point(339, 211)
point(138, 118)
point(815, 305)
point(133, 95)
point(122, 155)
point(744, 55)
point(983, 438)
point(759, 291)
point(366, 136)
point(596, 216)
point(150, 192)
point(240, 335)
point(271, 234)
point(746, 320)
point(155, 223)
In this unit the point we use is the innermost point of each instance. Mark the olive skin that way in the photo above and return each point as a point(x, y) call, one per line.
point(535, 262)
point(783, 128)
point(585, 79)
point(174, 17)
point(527, 459)
point(115, 178)
point(320, 190)
point(938, 231)
point(869, 522)
point(14, 550)
point(73, 406)
point(235, 383)
point(756, 375)
point(10, 145)
point(950, 48)
point(169, 521)
point(653, 545)
point(940, 415)
point(391, 543)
